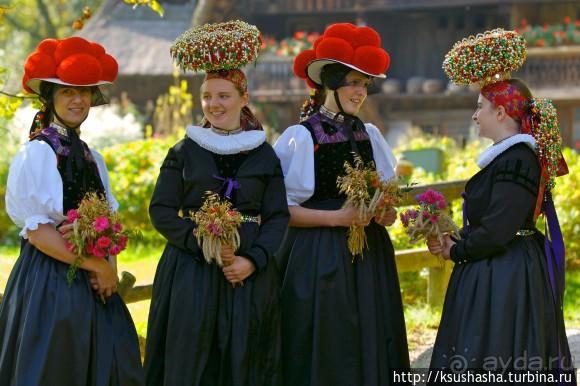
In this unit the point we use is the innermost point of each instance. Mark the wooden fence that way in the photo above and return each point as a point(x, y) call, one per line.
point(410, 260)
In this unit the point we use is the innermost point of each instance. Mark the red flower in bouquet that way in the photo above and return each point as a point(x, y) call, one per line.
point(97, 232)
point(430, 219)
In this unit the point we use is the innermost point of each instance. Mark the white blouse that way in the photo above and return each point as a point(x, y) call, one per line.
point(34, 190)
point(296, 152)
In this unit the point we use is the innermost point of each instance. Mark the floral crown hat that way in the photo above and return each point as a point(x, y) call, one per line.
point(486, 58)
point(72, 61)
point(219, 49)
point(355, 47)
point(489, 59)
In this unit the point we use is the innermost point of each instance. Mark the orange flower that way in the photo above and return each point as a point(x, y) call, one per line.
point(299, 35)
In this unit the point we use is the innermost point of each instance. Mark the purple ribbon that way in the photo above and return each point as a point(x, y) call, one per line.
point(555, 257)
point(554, 248)
point(229, 184)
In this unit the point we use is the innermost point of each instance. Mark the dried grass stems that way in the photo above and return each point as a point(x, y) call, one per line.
point(217, 225)
point(366, 191)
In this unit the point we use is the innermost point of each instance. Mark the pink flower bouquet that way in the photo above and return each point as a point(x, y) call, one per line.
point(217, 224)
point(96, 231)
point(430, 219)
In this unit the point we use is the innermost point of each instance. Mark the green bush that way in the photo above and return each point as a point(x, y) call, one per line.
point(133, 170)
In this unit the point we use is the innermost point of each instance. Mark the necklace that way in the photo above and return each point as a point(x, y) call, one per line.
point(61, 130)
point(331, 114)
point(226, 132)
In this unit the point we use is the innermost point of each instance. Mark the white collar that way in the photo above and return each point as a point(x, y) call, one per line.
point(226, 144)
point(496, 149)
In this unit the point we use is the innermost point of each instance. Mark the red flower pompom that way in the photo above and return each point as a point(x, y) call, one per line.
point(81, 69)
point(317, 42)
point(47, 46)
point(345, 31)
point(72, 46)
point(373, 60)
point(301, 61)
point(335, 48)
point(40, 65)
point(110, 68)
point(366, 36)
point(98, 50)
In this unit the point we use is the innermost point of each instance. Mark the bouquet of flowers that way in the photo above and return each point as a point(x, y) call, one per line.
point(430, 219)
point(369, 194)
point(217, 223)
point(96, 231)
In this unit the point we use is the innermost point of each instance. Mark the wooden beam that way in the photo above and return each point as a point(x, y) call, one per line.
point(451, 190)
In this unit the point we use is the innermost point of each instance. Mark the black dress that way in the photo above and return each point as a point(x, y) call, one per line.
point(202, 331)
point(342, 320)
point(499, 310)
point(55, 334)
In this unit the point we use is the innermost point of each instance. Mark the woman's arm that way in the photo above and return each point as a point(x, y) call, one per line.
point(301, 217)
point(513, 197)
point(167, 201)
point(48, 240)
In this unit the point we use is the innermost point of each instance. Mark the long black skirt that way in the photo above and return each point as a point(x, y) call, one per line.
point(500, 313)
point(53, 334)
point(204, 332)
point(342, 321)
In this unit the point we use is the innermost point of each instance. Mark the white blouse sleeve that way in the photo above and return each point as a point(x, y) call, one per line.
point(104, 174)
point(384, 158)
point(34, 188)
point(296, 152)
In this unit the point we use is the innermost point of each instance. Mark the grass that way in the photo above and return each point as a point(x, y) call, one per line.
point(422, 320)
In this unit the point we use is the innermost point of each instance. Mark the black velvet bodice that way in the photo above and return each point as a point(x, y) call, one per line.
point(83, 180)
point(330, 155)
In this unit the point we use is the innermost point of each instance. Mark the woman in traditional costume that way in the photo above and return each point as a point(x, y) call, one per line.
point(51, 332)
point(211, 324)
point(342, 315)
point(503, 308)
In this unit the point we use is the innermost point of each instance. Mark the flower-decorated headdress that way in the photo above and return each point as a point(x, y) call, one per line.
point(489, 59)
point(355, 47)
point(220, 50)
point(486, 58)
point(72, 61)
point(219, 46)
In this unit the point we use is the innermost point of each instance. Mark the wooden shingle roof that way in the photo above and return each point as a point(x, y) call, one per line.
point(139, 38)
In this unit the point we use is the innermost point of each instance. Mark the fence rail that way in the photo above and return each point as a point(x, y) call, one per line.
point(409, 260)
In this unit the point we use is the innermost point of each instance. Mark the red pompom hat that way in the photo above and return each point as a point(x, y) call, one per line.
point(72, 61)
point(355, 47)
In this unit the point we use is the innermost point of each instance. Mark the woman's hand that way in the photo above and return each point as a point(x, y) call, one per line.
point(238, 270)
point(227, 255)
point(434, 246)
point(388, 218)
point(447, 244)
point(438, 249)
point(65, 230)
point(105, 279)
point(349, 216)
